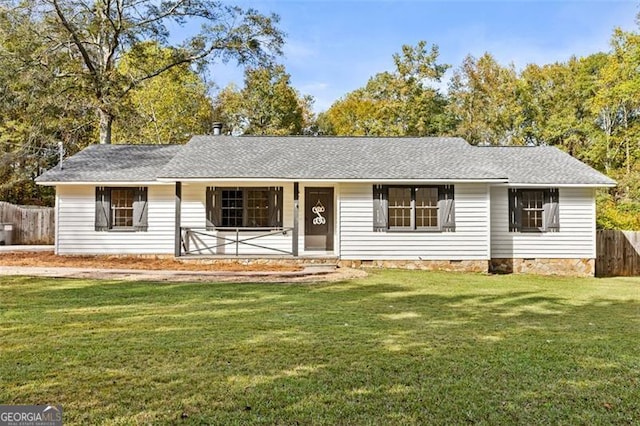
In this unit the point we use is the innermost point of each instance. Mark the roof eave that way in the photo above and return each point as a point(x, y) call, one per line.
point(331, 180)
point(103, 183)
point(558, 185)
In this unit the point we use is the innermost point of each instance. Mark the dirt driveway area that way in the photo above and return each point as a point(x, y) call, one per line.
point(137, 268)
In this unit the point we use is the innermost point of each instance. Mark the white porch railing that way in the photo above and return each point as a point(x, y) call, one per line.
point(193, 240)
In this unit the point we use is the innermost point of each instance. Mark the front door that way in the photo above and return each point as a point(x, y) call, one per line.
point(318, 219)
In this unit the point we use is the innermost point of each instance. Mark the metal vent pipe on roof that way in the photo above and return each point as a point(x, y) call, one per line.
point(217, 128)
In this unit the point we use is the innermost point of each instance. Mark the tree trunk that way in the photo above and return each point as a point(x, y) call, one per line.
point(106, 120)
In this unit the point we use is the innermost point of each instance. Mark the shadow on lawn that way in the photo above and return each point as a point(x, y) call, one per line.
point(373, 352)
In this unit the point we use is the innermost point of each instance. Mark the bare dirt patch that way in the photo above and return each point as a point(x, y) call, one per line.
point(48, 259)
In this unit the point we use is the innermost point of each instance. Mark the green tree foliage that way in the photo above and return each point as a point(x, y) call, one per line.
point(612, 214)
point(37, 109)
point(355, 114)
point(94, 35)
point(484, 102)
point(399, 103)
point(167, 109)
point(615, 147)
point(266, 105)
point(616, 103)
point(555, 99)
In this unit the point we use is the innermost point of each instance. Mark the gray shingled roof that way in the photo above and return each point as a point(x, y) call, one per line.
point(328, 158)
point(224, 157)
point(113, 163)
point(541, 165)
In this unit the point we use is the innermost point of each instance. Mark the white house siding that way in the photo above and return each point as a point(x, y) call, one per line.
point(76, 224)
point(194, 216)
point(576, 238)
point(358, 241)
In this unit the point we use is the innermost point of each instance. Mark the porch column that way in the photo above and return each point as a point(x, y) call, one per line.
point(296, 212)
point(178, 230)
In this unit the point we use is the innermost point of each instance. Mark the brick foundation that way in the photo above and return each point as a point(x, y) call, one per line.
point(566, 267)
point(425, 265)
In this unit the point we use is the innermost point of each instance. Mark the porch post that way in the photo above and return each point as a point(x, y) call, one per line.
point(178, 230)
point(296, 212)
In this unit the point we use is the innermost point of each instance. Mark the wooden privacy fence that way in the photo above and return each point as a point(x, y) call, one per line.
point(31, 225)
point(617, 253)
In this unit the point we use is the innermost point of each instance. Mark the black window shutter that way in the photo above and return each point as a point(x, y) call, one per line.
point(446, 208)
point(103, 208)
point(380, 207)
point(213, 208)
point(209, 208)
point(551, 210)
point(275, 207)
point(140, 209)
point(515, 210)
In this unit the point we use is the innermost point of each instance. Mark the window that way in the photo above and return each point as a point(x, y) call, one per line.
point(412, 208)
point(426, 207)
point(244, 207)
point(121, 209)
point(258, 207)
point(533, 210)
point(232, 208)
point(400, 208)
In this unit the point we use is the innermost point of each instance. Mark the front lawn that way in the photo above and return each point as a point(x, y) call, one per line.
point(398, 347)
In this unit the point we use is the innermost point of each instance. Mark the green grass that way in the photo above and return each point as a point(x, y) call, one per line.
point(398, 347)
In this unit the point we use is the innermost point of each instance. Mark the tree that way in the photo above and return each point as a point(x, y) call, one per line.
point(483, 102)
point(37, 110)
point(94, 34)
point(167, 109)
point(266, 105)
point(399, 103)
point(354, 115)
point(556, 98)
point(617, 101)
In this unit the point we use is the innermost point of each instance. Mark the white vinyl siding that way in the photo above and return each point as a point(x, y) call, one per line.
point(194, 216)
point(468, 242)
point(354, 235)
point(75, 223)
point(575, 239)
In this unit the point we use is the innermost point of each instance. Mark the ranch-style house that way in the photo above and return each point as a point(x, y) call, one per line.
point(435, 203)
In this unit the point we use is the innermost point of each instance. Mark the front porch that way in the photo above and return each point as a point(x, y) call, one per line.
point(234, 245)
point(230, 210)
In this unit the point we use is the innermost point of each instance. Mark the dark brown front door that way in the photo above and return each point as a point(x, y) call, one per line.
point(318, 219)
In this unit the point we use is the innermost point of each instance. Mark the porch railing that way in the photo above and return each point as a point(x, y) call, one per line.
point(229, 236)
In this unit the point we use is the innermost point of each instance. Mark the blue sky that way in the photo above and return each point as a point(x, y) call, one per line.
point(334, 47)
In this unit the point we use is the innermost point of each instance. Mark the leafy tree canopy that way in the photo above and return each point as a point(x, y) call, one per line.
point(94, 36)
point(167, 109)
point(399, 103)
point(483, 102)
point(266, 105)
